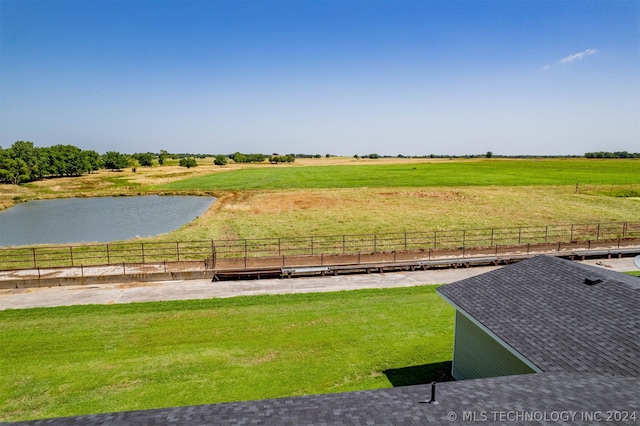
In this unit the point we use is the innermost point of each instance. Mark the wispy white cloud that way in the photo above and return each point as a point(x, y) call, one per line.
point(572, 58)
point(577, 56)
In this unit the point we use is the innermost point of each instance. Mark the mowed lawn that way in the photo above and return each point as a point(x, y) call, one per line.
point(89, 359)
point(488, 172)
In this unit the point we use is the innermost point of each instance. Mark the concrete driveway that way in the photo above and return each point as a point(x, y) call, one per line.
point(205, 289)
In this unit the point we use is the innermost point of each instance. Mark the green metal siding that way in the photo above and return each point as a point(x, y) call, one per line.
point(477, 355)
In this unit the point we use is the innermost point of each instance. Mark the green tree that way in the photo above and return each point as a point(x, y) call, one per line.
point(239, 157)
point(145, 159)
point(188, 162)
point(113, 160)
point(93, 160)
point(67, 160)
point(25, 151)
point(162, 157)
point(13, 170)
point(289, 158)
point(220, 160)
point(489, 154)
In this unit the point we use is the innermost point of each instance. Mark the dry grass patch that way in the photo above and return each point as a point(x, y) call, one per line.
point(286, 213)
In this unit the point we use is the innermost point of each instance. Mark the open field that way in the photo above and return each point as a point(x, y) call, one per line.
point(438, 174)
point(90, 359)
point(105, 183)
point(289, 213)
point(337, 196)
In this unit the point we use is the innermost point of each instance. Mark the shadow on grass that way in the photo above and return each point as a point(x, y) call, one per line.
point(420, 374)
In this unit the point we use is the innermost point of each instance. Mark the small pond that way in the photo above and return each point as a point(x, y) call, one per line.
point(100, 219)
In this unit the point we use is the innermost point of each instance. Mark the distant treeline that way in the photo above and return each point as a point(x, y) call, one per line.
point(619, 154)
point(23, 162)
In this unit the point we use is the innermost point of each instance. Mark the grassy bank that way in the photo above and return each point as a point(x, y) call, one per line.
point(88, 359)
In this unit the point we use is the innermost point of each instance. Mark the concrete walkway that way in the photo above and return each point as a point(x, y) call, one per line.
point(205, 289)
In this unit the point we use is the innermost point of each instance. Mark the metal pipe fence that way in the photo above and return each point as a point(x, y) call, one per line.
point(210, 251)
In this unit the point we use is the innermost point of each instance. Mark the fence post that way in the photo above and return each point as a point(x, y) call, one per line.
point(142, 248)
point(311, 246)
point(177, 251)
point(343, 244)
point(546, 233)
point(71, 254)
point(598, 234)
point(375, 242)
point(519, 235)
point(571, 236)
point(33, 251)
point(108, 257)
point(491, 236)
point(405, 241)
point(435, 240)
point(279, 247)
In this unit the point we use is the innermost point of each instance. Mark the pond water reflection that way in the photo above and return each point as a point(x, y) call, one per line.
point(99, 219)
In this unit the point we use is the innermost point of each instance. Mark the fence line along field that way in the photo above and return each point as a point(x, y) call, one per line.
point(211, 254)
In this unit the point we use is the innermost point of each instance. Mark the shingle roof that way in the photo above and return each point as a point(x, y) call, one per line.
point(535, 395)
point(543, 309)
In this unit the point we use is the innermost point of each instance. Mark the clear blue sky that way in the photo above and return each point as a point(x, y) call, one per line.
point(339, 77)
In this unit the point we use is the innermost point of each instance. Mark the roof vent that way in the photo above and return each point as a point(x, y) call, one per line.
point(592, 281)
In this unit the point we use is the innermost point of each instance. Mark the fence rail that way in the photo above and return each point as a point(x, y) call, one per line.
point(211, 251)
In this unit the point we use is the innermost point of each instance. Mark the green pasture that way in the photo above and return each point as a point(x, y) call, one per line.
point(494, 172)
point(89, 359)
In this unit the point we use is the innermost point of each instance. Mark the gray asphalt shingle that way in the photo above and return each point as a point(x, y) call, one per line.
point(496, 400)
point(543, 309)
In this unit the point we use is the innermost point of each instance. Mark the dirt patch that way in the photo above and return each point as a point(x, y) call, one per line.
point(278, 203)
point(267, 358)
point(257, 203)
